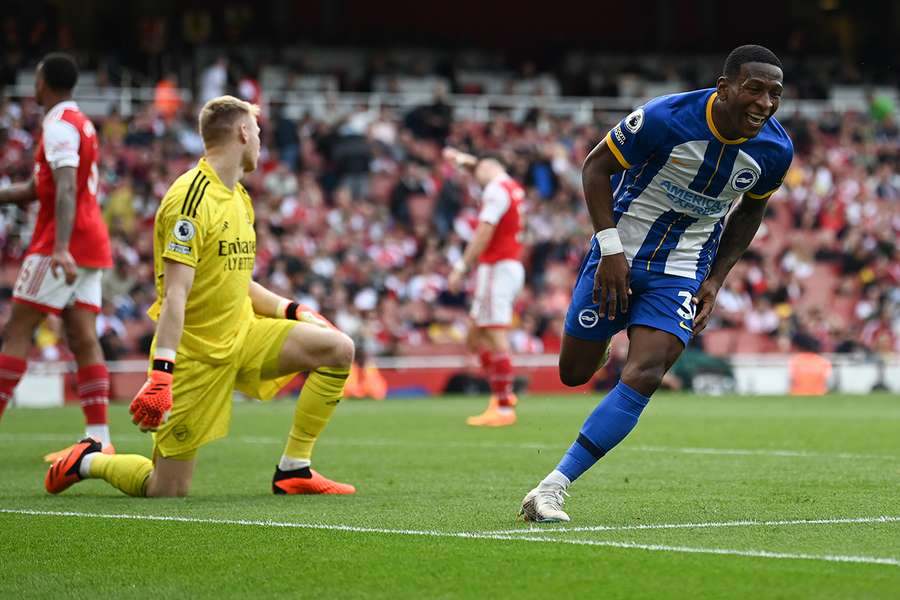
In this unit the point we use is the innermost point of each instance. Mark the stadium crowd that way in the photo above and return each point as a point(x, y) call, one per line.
point(358, 216)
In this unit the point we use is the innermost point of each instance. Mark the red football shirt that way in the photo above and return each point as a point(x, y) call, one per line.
point(501, 205)
point(68, 139)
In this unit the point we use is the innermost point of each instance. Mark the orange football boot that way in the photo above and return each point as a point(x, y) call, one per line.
point(492, 417)
point(496, 418)
point(64, 473)
point(307, 481)
point(61, 454)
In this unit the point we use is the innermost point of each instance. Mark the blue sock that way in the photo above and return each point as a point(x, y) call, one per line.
point(611, 421)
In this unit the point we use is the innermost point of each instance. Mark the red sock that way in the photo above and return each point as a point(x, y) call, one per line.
point(93, 391)
point(11, 370)
point(484, 357)
point(501, 378)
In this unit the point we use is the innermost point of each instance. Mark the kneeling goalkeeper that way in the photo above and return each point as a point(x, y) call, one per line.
point(217, 331)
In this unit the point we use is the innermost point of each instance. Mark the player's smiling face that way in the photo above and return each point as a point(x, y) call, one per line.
point(751, 98)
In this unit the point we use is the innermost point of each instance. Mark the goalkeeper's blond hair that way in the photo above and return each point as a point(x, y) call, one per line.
point(218, 118)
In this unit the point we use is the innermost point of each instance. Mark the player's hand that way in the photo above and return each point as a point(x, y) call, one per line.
point(455, 281)
point(150, 407)
point(612, 286)
point(63, 259)
point(460, 159)
point(305, 314)
point(705, 301)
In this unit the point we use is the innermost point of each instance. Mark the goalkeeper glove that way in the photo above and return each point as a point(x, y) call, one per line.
point(304, 314)
point(152, 404)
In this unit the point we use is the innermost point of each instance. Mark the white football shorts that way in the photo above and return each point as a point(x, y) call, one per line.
point(496, 287)
point(37, 286)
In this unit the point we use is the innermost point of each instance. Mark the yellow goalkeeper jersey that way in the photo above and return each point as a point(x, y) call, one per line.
point(203, 224)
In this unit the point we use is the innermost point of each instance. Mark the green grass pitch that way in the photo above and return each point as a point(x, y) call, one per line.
point(711, 497)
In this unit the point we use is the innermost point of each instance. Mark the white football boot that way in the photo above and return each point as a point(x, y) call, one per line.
point(544, 504)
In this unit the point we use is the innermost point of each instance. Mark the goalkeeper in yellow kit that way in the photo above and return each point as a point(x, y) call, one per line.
point(217, 331)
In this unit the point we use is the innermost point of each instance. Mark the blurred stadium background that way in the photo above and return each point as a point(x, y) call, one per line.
point(358, 216)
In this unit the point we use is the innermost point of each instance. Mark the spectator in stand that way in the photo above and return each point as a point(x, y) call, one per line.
point(111, 333)
point(214, 80)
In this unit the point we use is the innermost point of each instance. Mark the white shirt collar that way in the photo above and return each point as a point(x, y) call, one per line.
point(59, 107)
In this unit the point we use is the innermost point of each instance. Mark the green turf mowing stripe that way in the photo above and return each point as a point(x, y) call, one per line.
point(262, 440)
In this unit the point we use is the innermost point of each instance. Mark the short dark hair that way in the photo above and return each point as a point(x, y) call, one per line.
point(747, 54)
point(60, 71)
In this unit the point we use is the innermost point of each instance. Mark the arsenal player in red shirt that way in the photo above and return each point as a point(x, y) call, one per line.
point(62, 269)
point(496, 249)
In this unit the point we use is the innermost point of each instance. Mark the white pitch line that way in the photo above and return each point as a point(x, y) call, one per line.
point(264, 440)
point(875, 560)
point(702, 525)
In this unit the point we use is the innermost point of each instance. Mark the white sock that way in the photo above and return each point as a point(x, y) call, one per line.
point(292, 464)
point(84, 469)
point(98, 432)
point(556, 479)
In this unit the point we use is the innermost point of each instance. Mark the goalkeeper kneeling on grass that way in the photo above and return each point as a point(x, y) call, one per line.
point(217, 331)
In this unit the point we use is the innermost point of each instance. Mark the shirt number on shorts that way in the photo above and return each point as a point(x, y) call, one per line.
point(689, 310)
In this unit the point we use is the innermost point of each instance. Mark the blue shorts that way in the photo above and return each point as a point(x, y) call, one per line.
point(659, 301)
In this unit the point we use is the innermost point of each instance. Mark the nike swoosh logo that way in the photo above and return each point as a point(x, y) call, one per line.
point(685, 327)
point(675, 161)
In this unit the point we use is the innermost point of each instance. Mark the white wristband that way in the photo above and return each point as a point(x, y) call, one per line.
point(281, 310)
point(460, 266)
point(165, 354)
point(609, 242)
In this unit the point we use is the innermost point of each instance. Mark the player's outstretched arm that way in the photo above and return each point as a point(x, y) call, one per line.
point(152, 404)
point(612, 286)
point(743, 223)
point(267, 303)
point(19, 193)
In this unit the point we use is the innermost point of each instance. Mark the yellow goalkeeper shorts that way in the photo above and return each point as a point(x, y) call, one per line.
point(202, 394)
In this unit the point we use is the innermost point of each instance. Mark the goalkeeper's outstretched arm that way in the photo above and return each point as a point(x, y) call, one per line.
point(267, 303)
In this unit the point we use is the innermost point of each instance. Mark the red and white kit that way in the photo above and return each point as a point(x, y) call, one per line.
point(500, 275)
point(68, 139)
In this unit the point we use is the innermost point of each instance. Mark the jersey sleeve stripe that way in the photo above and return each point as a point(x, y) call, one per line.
point(196, 203)
point(760, 196)
point(193, 199)
point(616, 152)
point(190, 189)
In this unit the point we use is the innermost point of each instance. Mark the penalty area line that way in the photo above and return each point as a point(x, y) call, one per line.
point(875, 560)
point(701, 525)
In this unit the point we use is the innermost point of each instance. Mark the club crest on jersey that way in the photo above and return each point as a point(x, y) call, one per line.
point(744, 179)
point(588, 318)
point(635, 121)
point(184, 230)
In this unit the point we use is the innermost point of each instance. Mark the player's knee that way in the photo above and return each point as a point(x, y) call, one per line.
point(572, 375)
point(645, 378)
point(342, 352)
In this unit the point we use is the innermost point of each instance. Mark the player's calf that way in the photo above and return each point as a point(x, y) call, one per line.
point(171, 478)
point(579, 360)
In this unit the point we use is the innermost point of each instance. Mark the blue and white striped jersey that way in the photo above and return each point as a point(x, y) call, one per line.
point(682, 176)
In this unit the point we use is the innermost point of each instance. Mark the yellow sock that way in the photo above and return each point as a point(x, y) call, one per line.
point(126, 472)
point(321, 393)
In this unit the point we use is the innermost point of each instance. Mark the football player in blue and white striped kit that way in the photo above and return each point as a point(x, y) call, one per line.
point(676, 192)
